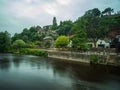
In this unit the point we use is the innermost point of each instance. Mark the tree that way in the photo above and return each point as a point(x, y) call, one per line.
point(15, 37)
point(54, 25)
point(5, 41)
point(79, 41)
point(29, 35)
point(19, 44)
point(93, 12)
point(93, 27)
point(64, 27)
point(108, 11)
point(96, 12)
point(79, 38)
point(61, 42)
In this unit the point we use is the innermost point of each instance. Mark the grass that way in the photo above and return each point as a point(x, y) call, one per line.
point(30, 51)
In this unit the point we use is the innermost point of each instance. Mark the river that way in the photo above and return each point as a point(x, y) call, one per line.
point(27, 72)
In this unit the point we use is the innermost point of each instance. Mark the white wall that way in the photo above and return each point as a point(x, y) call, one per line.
point(102, 42)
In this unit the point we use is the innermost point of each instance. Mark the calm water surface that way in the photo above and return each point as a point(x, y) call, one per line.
point(26, 72)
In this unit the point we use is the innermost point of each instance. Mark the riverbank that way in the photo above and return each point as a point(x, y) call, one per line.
point(104, 58)
point(30, 51)
point(101, 57)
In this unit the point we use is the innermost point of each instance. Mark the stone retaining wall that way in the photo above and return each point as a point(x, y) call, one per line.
point(107, 58)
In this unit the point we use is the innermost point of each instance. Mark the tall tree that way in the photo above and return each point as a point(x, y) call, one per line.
point(54, 25)
point(93, 24)
point(95, 12)
point(79, 38)
point(64, 27)
point(5, 41)
point(108, 11)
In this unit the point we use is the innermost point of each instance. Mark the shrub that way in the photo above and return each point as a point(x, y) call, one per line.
point(94, 58)
point(33, 52)
point(48, 44)
point(39, 43)
point(18, 44)
point(62, 42)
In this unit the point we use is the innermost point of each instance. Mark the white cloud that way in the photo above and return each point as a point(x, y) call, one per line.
point(33, 8)
point(51, 8)
point(24, 10)
point(64, 2)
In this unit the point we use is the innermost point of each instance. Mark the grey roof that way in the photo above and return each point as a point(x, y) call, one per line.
point(47, 37)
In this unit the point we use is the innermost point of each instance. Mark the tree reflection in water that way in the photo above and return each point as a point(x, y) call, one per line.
point(28, 72)
point(4, 64)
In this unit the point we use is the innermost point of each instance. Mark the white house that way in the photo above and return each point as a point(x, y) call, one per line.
point(70, 43)
point(102, 44)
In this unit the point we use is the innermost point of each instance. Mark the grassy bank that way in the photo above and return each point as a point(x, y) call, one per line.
point(30, 51)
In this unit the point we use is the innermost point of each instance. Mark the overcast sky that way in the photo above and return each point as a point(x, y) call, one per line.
point(15, 15)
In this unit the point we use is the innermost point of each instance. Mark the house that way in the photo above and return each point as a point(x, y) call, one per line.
point(90, 43)
point(102, 44)
point(41, 31)
point(114, 35)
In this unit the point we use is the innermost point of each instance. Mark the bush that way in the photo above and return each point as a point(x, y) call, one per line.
point(33, 52)
point(48, 44)
point(94, 58)
point(30, 45)
point(62, 42)
point(19, 44)
point(38, 43)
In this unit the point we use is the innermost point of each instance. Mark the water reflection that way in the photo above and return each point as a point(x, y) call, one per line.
point(88, 77)
point(4, 64)
point(16, 62)
point(27, 72)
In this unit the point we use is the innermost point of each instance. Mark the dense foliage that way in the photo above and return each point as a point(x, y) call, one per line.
point(33, 52)
point(29, 35)
point(96, 24)
point(93, 25)
point(19, 44)
point(64, 27)
point(61, 42)
point(5, 41)
point(54, 26)
point(79, 38)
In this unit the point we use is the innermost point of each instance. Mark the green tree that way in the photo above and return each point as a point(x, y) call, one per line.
point(5, 41)
point(79, 38)
point(93, 27)
point(93, 12)
point(19, 44)
point(79, 41)
point(29, 35)
point(64, 27)
point(15, 37)
point(61, 42)
point(54, 25)
point(108, 11)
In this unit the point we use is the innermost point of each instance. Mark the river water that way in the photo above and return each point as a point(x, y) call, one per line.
point(27, 72)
